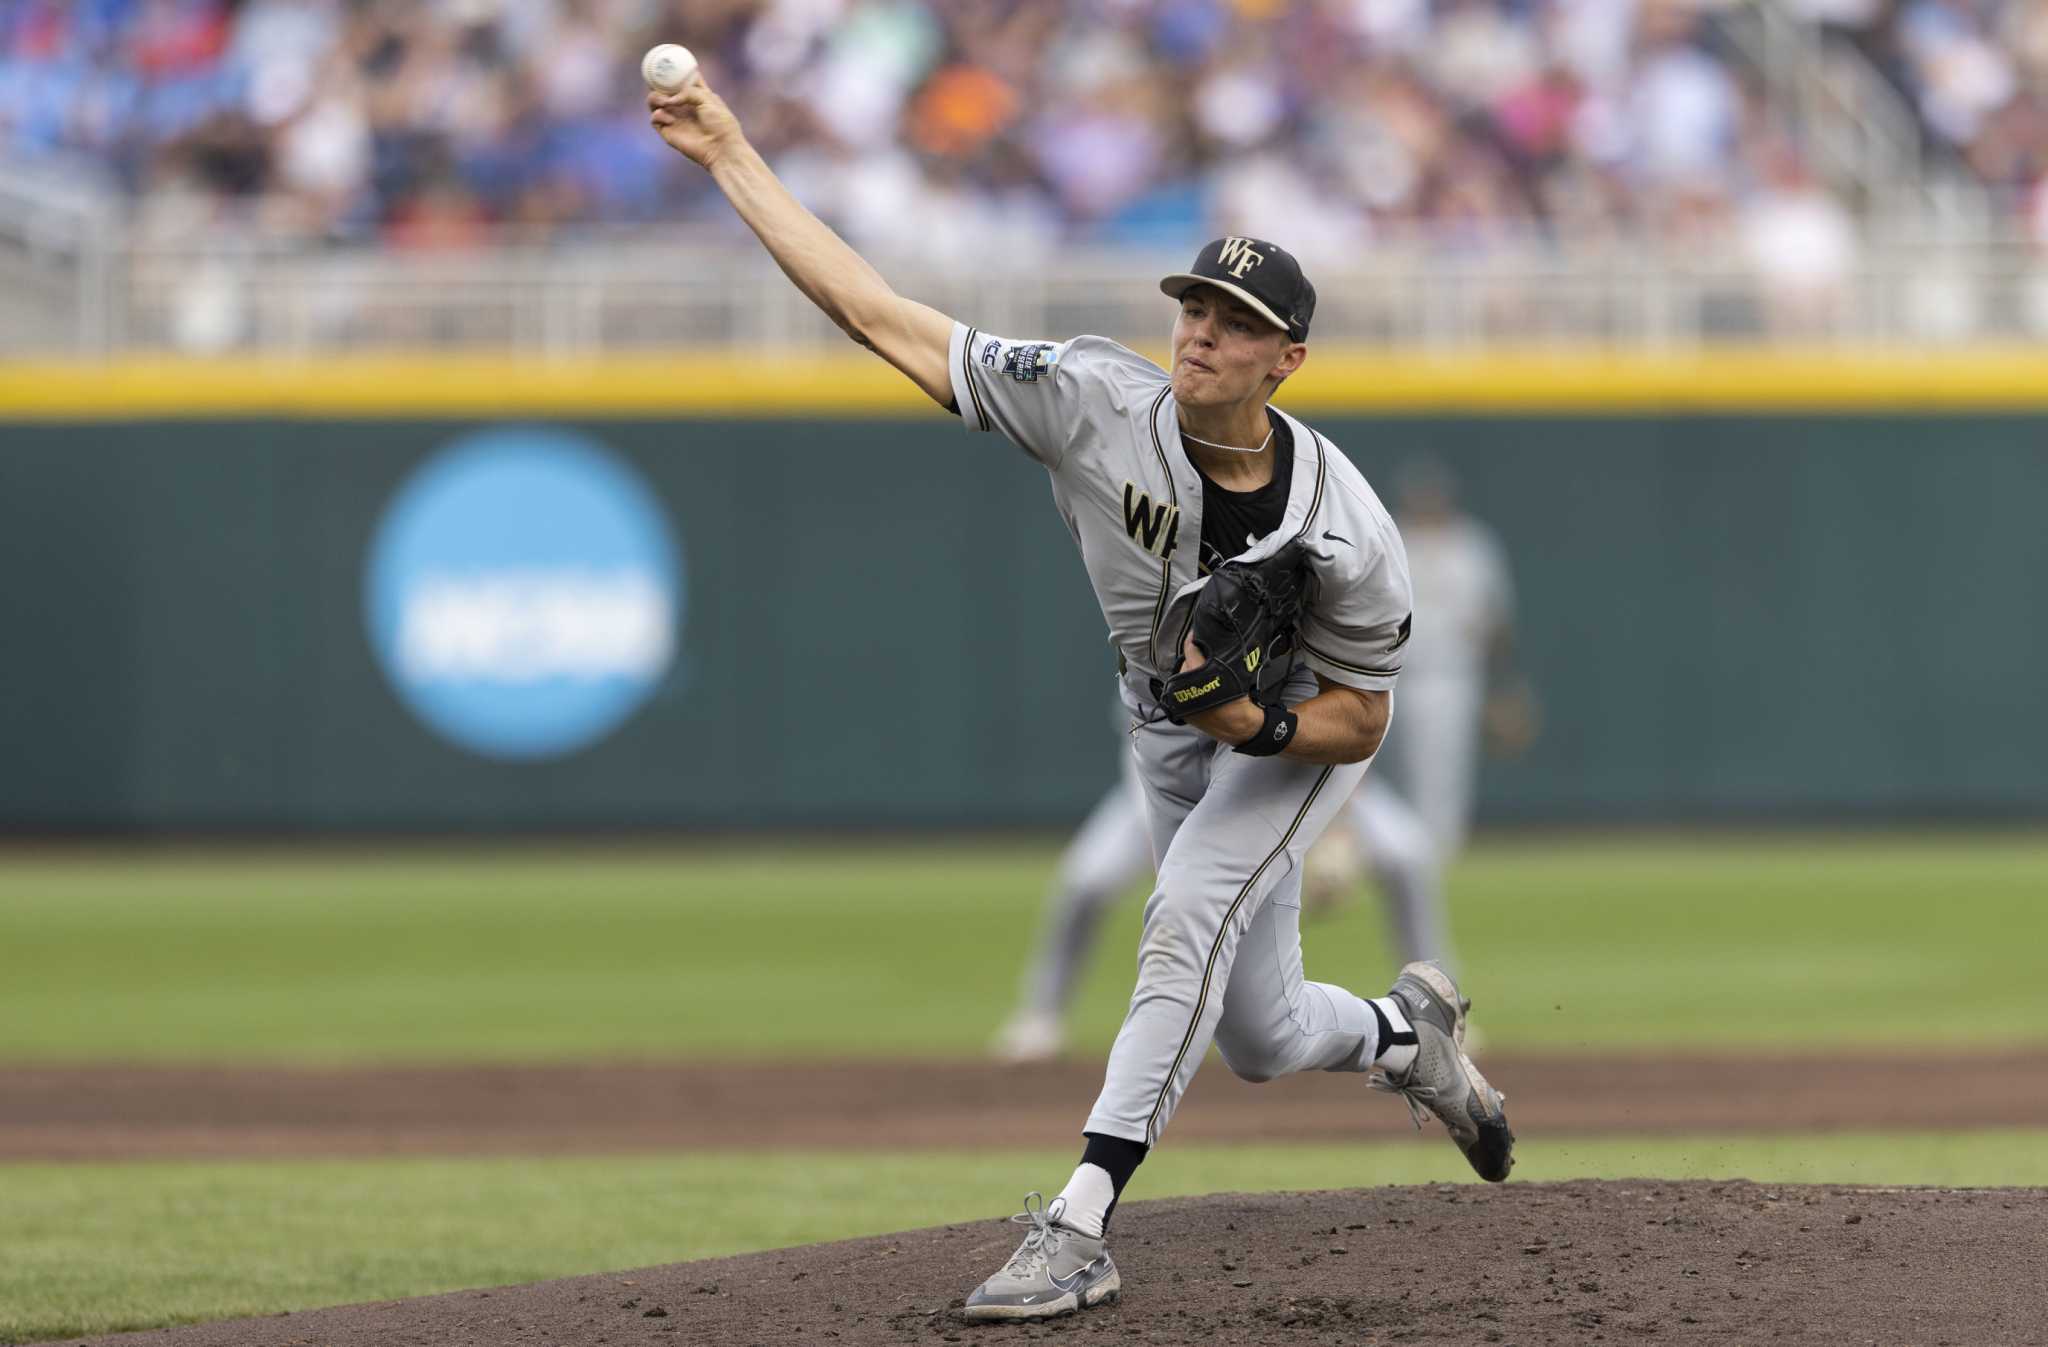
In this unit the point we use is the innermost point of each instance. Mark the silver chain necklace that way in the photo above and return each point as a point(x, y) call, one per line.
point(1233, 448)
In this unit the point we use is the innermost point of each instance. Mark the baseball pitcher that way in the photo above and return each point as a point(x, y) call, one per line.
point(1257, 594)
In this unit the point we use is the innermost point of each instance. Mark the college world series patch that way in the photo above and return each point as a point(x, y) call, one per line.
point(1026, 363)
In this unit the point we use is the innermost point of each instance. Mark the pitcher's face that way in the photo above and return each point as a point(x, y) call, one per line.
point(1223, 352)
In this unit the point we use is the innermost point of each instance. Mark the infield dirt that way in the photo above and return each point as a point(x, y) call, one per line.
point(108, 1112)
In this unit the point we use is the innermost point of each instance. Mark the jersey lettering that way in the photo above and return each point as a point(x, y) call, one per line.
point(1156, 528)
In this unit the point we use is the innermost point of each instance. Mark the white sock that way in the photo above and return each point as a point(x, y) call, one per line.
point(1087, 1195)
point(1396, 1058)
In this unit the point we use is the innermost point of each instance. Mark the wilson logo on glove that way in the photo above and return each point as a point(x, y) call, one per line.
point(1243, 623)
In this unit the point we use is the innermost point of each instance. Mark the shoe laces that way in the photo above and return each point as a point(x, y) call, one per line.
point(1044, 1240)
point(1413, 1093)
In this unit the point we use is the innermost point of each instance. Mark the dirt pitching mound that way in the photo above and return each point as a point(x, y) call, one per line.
point(1521, 1264)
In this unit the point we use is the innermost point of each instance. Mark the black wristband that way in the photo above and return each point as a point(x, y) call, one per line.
point(1274, 735)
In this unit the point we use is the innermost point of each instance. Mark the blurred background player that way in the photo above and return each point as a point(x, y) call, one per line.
point(1465, 694)
point(1377, 834)
point(1460, 687)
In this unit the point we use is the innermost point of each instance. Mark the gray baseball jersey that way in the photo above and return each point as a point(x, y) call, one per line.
point(1101, 418)
point(1229, 831)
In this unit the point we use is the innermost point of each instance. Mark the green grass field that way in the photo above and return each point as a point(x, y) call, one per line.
point(602, 951)
point(565, 953)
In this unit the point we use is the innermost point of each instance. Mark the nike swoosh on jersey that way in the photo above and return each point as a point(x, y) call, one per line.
point(1335, 539)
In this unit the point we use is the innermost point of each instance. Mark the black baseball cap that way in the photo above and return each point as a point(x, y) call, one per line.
point(1264, 275)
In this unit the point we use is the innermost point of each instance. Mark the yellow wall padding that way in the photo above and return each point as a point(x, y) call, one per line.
point(775, 384)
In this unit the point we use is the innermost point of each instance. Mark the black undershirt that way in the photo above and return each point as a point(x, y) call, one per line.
point(1234, 520)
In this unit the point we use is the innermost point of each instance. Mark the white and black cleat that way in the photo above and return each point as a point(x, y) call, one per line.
point(1442, 1082)
point(1056, 1270)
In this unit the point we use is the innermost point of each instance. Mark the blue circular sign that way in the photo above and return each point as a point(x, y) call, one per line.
point(523, 592)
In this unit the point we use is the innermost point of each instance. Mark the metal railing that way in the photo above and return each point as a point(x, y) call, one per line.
point(628, 294)
point(58, 254)
point(73, 284)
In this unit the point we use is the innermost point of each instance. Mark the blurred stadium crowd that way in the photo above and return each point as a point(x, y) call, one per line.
point(995, 125)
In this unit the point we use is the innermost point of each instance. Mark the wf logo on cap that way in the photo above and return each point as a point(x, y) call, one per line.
point(1239, 256)
point(523, 593)
point(1261, 274)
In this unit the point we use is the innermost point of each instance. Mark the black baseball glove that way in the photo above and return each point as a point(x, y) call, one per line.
point(1244, 624)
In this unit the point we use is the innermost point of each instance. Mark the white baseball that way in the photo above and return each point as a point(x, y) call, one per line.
point(668, 67)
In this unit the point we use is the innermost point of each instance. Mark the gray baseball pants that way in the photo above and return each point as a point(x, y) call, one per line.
point(1220, 957)
point(1113, 851)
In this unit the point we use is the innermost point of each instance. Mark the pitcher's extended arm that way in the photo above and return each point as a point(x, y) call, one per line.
point(909, 335)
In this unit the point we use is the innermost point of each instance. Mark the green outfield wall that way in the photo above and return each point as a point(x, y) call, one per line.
point(882, 621)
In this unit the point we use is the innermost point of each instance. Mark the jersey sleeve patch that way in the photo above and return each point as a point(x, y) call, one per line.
point(1027, 363)
point(1024, 388)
